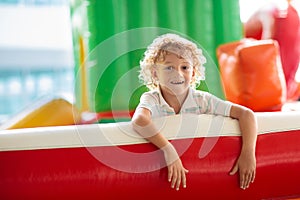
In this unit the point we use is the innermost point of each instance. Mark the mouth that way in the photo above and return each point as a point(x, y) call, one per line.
point(177, 82)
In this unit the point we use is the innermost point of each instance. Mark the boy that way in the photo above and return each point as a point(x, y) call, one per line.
point(171, 68)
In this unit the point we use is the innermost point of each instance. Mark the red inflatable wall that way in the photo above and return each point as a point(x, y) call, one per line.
point(78, 172)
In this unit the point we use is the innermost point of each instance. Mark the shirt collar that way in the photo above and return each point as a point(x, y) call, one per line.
point(189, 101)
point(162, 101)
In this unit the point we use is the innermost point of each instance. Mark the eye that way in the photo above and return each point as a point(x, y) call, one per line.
point(186, 68)
point(168, 68)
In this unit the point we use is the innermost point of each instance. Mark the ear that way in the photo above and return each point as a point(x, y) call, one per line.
point(193, 73)
point(154, 75)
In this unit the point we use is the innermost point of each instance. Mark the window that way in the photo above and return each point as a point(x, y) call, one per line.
point(36, 55)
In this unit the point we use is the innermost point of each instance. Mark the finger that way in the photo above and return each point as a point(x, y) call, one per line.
point(253, 176)
point(170, 173)
point(183, 177)
point(178, 181)
point(242, 183)
point(242, 180)
point(248, 180)
point(234, 170)
point(186, 170)
point(174, 179)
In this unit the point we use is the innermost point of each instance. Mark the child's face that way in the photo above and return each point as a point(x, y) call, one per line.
point(174, 74)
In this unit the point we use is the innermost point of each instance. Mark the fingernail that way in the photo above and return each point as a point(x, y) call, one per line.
point(177, 189)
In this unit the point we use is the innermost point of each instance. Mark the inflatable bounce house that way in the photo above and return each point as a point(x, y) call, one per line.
point(89, 150)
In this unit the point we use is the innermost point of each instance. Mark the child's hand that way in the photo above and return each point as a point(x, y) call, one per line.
point(246, 165)
point(176, 174)
point(176, 171)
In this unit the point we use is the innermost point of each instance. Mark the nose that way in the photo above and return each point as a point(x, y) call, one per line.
point(179, 72)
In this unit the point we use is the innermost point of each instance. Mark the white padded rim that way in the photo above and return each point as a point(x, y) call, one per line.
point(173, 127)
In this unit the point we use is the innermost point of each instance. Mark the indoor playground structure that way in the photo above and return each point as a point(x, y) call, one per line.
point(88, 149)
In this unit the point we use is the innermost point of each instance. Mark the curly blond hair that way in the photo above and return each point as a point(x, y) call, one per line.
point(171, 43)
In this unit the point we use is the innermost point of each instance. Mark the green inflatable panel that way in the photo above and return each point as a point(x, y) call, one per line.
point(110, 36)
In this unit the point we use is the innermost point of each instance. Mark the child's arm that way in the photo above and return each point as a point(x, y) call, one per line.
point(142, 123)
point(246, 163)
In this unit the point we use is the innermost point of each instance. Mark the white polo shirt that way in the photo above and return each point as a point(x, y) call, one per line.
point(197, 102)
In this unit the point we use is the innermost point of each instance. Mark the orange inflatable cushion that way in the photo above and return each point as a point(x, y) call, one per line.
point(252, 74)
